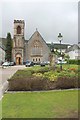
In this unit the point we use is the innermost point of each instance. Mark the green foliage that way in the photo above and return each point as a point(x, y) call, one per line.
point(22, 74)
point(57, 53)
point(45, 77)
point(9, 48)
point(77, 62)
point(50, 75)
point(38, 74)
point(67, 74)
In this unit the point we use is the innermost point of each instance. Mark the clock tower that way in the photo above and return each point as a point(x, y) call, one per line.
point(18, 42)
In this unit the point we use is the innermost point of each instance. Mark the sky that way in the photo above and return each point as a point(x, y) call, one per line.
point(49, 17)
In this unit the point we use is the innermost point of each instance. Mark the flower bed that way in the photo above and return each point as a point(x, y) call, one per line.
point(44, 79)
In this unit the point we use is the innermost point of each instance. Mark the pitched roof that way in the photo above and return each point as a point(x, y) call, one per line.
point(57, 46)
point(38, 33)
point(72, 48)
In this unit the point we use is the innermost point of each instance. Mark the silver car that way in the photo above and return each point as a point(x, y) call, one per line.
point(6, 64)
point(29, 63)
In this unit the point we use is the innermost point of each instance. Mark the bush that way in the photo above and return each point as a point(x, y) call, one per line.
point(77, 62)
point(67, 82)
point(44, 79)
point(43, 70)
point(69, 73)
point(30, 84)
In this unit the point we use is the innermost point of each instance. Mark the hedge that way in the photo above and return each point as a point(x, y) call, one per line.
point(67, 83)
point(38, 83)
point(30, 84)
point(72, 61)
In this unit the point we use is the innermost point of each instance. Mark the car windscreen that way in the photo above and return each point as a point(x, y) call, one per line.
point(27, 61)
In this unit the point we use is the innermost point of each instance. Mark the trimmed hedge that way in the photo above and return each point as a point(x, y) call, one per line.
point(72, 61)
point(67, 83)
point(44, 79)
point(30, 84)
point(38, 83)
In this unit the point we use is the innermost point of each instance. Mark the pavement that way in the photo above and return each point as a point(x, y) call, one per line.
point(5, 74)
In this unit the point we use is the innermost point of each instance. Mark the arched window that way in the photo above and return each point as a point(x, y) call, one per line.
point(33, 59)
point(18, 30)
point(36, 48)
point(36, 59)
point(39, 59)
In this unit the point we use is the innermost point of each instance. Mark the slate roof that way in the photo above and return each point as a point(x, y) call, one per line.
point(72, 48)
point(58, 46)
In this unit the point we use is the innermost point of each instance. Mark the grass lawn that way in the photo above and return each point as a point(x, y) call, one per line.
point(49, 104)
point(0, 109)
point(37, 67)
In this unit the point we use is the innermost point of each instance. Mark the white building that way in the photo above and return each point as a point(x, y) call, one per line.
point(73, 52)
point(58, 46)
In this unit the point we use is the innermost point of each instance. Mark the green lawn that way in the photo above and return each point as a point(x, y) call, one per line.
point(0, 109)
point(37, 67)
point(49, 104)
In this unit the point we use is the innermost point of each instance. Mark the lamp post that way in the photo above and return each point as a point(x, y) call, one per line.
point(60, 38)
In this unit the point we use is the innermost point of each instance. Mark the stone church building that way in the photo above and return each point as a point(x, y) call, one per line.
point(35, 49)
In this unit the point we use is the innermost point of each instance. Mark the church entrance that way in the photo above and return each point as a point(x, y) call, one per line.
point(18, 59)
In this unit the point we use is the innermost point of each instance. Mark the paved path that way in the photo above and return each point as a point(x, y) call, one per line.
point(5, 74)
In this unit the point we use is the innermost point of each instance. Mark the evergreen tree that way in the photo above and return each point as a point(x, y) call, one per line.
point(9, 47)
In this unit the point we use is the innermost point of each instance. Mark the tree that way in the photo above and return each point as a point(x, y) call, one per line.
point(9, 47)
point(52, 59)
point(67, 58)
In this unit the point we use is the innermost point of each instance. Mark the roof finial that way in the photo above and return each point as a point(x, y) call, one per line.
point(36, 29)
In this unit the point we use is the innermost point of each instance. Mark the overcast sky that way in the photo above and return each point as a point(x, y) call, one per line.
point(50, 18)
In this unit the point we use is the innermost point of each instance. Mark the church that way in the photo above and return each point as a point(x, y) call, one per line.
point(35, 49)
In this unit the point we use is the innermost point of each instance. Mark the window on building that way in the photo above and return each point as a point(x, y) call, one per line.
point(18, 30)
point(33, 59)
point(36, 59)
point(39, 59)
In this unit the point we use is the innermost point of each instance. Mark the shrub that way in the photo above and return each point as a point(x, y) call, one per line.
point(43, 70)
point(69, 73)
point(44, 79)
point(30, 84)
point(52, 76)
point(67, 82)
point(72, 61)
point(38, 74)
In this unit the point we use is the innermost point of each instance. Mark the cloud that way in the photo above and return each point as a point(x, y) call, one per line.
point(49, 17)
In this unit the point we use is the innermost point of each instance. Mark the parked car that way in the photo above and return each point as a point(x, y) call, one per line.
point(6, 64)
point(61, 61)
point(47, 62)
point(12, 63)
point(42, 64)
point(29, 63)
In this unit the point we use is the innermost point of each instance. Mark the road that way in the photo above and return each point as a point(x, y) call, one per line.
point(5, 74)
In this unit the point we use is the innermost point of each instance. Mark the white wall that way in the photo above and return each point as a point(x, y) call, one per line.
point(2, 55)
point(74, 54)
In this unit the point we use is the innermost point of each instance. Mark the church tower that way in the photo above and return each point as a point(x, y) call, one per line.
point(18, 42)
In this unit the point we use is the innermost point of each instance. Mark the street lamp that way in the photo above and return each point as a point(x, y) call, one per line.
point(60, 38)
